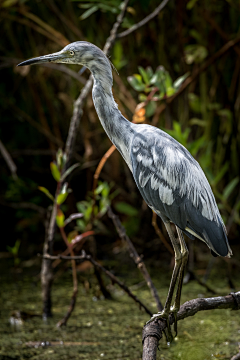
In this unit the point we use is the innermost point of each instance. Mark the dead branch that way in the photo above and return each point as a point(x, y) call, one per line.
point(114, 279)
point(9, 161)
point(152, 332)
point(75, 282)
point(137, 259)
point(145, 20)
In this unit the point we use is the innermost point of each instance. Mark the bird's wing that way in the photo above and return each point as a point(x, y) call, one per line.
point(175, 187)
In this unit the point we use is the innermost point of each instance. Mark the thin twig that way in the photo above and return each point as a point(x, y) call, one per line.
point(9, 161)
point(137, 259)
point(152, 332)
point(85, 257)
point(75, 282)
point(144, 21)
point(24, 205)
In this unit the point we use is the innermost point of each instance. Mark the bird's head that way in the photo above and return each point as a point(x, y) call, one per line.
point(82, 53)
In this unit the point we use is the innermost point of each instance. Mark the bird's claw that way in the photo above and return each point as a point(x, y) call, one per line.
point(165, 316)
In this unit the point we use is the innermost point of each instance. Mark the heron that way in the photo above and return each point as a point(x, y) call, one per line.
point(169, 179)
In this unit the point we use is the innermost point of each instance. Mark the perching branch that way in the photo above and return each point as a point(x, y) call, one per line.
point(152, 332)
point(145, 20)
point(114, 279)
point(137, 259)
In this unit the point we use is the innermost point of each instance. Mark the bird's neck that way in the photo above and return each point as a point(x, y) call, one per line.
point(117, 127)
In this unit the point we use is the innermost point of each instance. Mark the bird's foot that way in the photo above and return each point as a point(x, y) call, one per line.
point(165, 316)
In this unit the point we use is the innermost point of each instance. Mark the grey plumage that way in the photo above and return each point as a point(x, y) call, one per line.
point(170, 180)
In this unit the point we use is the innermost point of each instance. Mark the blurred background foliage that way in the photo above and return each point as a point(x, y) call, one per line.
point(152, 62)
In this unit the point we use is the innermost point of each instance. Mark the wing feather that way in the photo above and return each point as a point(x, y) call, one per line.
point(173, 184)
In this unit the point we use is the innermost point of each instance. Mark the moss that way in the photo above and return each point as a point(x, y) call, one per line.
point(109, 329)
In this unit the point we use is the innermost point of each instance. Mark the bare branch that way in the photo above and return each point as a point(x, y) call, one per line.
point(9, 161)
point(144, 21)
point(24, 205)
point(85, 257)
point(137, 259)
point(152, 332)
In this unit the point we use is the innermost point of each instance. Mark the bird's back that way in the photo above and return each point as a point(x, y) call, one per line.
point(173, 184)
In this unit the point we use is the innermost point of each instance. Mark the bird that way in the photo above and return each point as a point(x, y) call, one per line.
point(170, 180)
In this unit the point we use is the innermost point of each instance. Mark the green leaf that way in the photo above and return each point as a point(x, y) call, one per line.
point(149, 71)
point(126, 209)
point(61, 198)
point(88, 12)
point(194, 102)
point(178, 82)
point(151, 108)
point(191, 4)
point(142, 97)
point(230, 187)
point(144, 75)
point(14, 250)
point(69, 170)
point(46, 192)
point(195, 53)
point(136, 82)
point(61, 159)
point(55, 172)
point(60, 218)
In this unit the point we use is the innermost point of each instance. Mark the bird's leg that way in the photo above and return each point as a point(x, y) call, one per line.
point(177, 266)
point(184, 251)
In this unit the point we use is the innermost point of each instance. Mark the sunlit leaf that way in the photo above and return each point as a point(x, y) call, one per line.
point(144, 74)
point(178, 82)
point(46, 192)
point(60, 218)
point(61, 198)
point(55, 172)
point(136, 82)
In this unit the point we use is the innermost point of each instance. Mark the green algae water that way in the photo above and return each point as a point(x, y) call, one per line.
point(107, 329)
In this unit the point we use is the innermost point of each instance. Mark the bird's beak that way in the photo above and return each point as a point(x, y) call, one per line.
point(55, 57)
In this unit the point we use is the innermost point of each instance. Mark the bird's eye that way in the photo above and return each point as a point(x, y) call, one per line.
point(71, 52)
